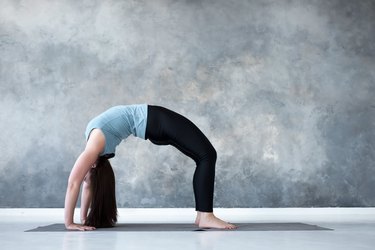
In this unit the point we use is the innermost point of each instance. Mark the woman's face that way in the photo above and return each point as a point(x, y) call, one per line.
point(87, 178)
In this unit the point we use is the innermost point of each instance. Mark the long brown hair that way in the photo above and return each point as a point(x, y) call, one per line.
point(103, 210)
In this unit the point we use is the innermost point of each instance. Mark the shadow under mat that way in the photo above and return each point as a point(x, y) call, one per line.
point(165, 227)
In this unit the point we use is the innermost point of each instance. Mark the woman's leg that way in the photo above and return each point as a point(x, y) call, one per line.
point(165, 127)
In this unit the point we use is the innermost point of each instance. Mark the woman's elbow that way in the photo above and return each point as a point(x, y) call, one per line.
point(73, 184)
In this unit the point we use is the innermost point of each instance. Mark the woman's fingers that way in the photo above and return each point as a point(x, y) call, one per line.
point(80, 227)
point(87, 228)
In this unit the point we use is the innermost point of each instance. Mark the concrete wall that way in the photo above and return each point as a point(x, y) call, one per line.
point(284, 90)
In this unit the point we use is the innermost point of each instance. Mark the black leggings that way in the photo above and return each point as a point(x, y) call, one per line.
point(165, 127)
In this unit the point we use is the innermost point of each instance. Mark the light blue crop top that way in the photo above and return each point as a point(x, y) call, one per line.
point(117, 123)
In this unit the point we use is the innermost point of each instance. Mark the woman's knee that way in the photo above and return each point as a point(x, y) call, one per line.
point(211, 153)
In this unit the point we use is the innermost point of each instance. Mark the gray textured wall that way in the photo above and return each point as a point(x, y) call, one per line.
point(284, 90)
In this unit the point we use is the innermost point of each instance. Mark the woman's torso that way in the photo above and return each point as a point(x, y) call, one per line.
point(119, 122)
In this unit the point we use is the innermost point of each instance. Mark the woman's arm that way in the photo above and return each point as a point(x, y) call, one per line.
point(86, 197)
point(88, 157)
point(82, 165)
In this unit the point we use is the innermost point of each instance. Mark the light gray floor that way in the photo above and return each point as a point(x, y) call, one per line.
point(353, 229)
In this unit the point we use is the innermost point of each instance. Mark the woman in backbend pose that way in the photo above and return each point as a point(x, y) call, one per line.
point(157, 124)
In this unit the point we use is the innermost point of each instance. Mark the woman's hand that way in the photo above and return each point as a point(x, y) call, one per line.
point(79, 227)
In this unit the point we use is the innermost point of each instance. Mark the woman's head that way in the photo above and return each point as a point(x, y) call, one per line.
point(103, 211)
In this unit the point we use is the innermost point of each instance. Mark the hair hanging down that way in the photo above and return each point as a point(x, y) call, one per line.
point(103, 210)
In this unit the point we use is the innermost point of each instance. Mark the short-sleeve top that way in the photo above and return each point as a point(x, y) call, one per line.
point(118, 123)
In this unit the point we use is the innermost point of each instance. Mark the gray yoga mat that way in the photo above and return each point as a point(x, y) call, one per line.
point(154, 227)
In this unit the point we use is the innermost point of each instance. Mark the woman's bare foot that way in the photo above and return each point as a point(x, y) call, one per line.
point(198, 218)
point(209, 220)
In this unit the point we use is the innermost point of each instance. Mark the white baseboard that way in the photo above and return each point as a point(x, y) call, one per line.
point(153, 215)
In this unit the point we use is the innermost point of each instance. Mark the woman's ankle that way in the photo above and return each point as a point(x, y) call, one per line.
point(205, 214)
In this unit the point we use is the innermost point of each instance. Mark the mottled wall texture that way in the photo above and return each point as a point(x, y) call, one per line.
point(284, 89)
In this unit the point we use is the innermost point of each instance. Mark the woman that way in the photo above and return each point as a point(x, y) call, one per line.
point(157, 124)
